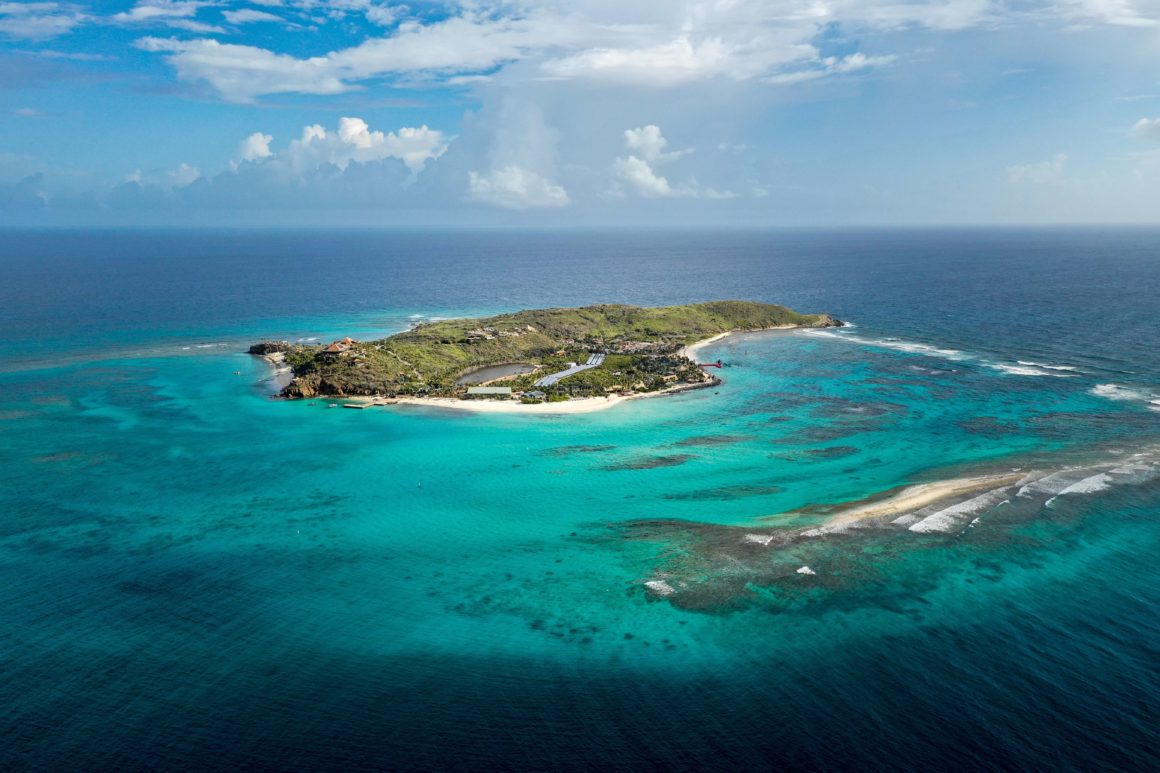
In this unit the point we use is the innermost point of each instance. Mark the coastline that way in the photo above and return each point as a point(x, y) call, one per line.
point(573, 406)
point(692, 350)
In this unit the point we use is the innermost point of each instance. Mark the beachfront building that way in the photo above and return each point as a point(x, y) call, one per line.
point(501, 393)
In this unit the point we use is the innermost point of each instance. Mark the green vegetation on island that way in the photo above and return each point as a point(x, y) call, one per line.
point(626, 349)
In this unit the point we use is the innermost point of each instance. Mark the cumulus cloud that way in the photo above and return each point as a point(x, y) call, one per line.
point(1043, 172)
point(650, 144)
point(640, 178)
point(353, 141)
point(637, 173)
point(183, 175)
point(39, 21)
point(165, 180)
point(255, 147)
point(514, 187)
point(1147, 128)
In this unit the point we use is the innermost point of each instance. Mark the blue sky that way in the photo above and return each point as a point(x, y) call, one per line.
point(708, 112)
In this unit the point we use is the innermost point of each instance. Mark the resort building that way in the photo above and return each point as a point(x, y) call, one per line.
point(482, 391)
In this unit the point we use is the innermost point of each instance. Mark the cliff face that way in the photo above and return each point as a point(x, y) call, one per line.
point(428, 358)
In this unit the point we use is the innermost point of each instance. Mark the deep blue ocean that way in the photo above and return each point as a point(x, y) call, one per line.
point(196, 576)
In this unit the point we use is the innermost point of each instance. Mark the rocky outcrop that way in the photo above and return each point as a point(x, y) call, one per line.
point(825, 320)
point(266, 348)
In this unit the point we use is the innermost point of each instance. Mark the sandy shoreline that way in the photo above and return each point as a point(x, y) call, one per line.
point(692, 350)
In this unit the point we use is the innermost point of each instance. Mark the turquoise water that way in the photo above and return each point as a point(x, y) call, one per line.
point(195, 575)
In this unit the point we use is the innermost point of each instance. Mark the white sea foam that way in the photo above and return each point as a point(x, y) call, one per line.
point(1120, 392)
point(806, 570)
point(660, 587)
point(1046, 365)
point(950, 518)
point(1053, 483)
point(1090, 485)
point(1028, 369)
point(1020, 368)
point(760, 539)
point(898, 344)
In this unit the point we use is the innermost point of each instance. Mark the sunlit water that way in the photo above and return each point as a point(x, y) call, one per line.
point(195, 575)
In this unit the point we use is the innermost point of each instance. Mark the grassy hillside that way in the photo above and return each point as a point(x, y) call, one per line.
point(429, 357)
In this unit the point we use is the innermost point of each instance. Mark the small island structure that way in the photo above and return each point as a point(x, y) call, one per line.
point(530, 357)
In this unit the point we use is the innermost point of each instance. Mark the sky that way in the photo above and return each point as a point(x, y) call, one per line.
point(589, 112)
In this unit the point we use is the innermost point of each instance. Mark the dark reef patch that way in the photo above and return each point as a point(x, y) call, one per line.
point(713, 440)
point(649, 462)
point(577, 449)
point(726, 492)
point(831, 452)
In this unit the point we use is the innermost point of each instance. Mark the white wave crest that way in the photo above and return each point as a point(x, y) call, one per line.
point(897, 344)
point(1047, 366)
point(1131, 394)
point(1090, 485)
point(1054, 483)
point(950, 518)
point(1027, 369)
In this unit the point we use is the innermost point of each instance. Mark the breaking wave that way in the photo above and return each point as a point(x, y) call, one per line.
point(1018, 368)
point(1131, 394)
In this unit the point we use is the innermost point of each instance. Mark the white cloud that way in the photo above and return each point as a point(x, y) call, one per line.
point(413, 145)
point(251, 16)
point(240, 73)
point(177, 14)
point(39, 21)
point(313, 132)
point(831, 65)
point(639, 176)
point(182, 176)
point(1119, 13)
point(514, 187)
point(1146, 128)
point(353, 142)
point(651, 44)
point(666, 64)
point(1043, 172)
point(26, 112)
point(255, 147)
point(637, 172)
point(651, 144)
point(166, 180)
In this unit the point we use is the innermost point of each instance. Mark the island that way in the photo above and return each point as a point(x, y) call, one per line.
point(593, 354)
